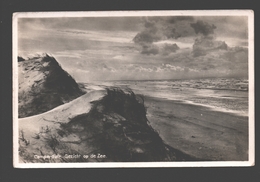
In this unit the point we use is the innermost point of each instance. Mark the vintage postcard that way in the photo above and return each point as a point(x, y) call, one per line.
point(133, 89)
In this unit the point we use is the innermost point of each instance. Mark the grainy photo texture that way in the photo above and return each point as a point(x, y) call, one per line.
point(133, 89)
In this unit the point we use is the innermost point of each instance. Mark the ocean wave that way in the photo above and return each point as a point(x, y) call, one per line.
point(220, 94)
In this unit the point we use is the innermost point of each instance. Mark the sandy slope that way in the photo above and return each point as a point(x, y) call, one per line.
point(60, 114)
point(39, 135)
point(41, 78)
point(191, 129)
point(199, 131)
point(109, 123)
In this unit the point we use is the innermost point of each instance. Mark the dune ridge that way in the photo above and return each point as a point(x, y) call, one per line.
point(105, 125)
point(43, 85)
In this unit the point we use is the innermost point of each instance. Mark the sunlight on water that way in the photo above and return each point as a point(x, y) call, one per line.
point(221, 94)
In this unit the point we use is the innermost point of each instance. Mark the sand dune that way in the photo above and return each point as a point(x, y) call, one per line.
point(109, 123)
point(43, 85)
point(113, 122)
point(60, 114)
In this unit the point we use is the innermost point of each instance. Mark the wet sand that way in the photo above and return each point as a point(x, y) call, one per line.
point(199, 131)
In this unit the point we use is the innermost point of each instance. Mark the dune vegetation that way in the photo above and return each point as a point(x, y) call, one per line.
point(43, 85)
point(61, 123)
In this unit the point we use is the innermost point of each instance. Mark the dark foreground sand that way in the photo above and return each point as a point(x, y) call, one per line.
point(198, 131)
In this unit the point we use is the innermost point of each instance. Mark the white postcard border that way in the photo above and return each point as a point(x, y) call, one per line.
point(251, 153)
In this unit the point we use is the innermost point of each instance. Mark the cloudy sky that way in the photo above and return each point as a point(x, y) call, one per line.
point(127, 48)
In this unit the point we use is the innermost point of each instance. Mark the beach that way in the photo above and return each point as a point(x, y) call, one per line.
point(206, 118)
point(193, 122)
point(198, 131)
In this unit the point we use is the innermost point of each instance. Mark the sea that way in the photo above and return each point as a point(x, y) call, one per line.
point(220, 94)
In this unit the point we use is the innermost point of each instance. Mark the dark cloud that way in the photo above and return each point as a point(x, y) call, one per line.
point(204, 28)
point(151, 33)
point(162, 28)
point(149, 23)
point(150, 49)
point(204, 45)
point(178, 27)
point(207, 41)
point(229, 26)
point(169, 48)
point(208, 56)
point(146, 37)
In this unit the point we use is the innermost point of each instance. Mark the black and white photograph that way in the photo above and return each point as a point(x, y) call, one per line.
point(133, 89)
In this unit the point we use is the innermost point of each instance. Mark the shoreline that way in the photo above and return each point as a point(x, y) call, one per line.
point(199, 131)
point(206, 106)
point(193, 132)
point(93, 124)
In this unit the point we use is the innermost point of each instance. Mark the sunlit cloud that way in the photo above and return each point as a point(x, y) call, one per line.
point(140, 47)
